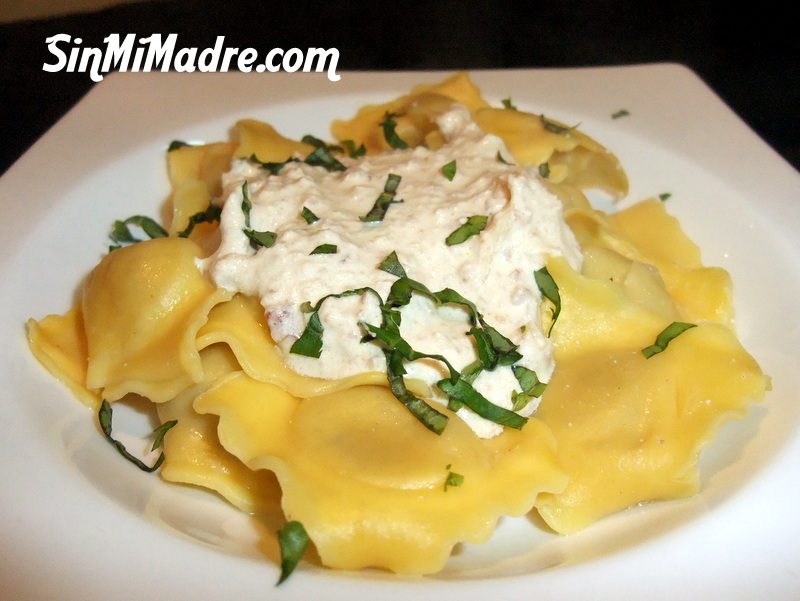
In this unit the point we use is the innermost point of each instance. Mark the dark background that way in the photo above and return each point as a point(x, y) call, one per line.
point(749, 55)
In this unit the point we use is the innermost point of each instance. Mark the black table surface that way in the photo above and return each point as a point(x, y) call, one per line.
point(750, 57)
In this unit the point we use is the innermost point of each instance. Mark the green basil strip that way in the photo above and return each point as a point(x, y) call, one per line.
point(310, 341)
point(308, 215)
point(448, 295)
point(432, 419)
point(620, 113)
point(121, 233)
point(210, 215)
point(257, 239)
point(352, 150)
point(176, 145)
point(500, 159)
point(260, 239)
point(386, 198)
point(472, 227)
point(161, 431)
point(453, 479)
point(666, 336)
point(293, 541)
point(389, 133)
point(494, 349)
point(463, 392)
point(247, 205)
point(549, 289)
point(273, 168)
point(508, 104)
point(325, 249)
point(531, 386)
point(317, 143)
point(104, 416)
point(322, 157)
point(449, 170)
point(544, 170)
point(391, 264)
point(554, 127)
point(395, 342)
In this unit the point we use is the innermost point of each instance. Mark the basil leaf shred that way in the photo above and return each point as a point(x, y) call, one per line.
point(308, 215)
point(472, 227)
point(449, 170)
point(668, 334)
point(391, 264)
point(508, 104)
point(389, 126)
point(549, 289)
point(453, 479)
point(210, 215)
point(293, 541)
point(384, 200)
point(325, 249)
point(257, 238)
point(121, 233)
point(104, 416)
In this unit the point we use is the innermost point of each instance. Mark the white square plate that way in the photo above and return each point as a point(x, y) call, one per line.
point(79, 524)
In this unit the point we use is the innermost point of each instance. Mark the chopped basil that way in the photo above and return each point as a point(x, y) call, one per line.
point(463, 392)
point(247, 205)
point(620, 113)
point(104, 417)
point(666, 336)
point(257, 239)
point(664, 196)
point(389, 125)
point(386, 198)
point(391, 264)
point(549, 289)
point(308, 215)
point(121, 233)
point(325, 249)
point(544, 170)
point(293, 541)
point(210, 215)
point(472, 227)
point(260, 239)
point(322, 157)
point(310, 341)
point(161, 431)
point(176, 144)
point(391, 337)
point(275, 167)
point(554, 127)
point(429, 417)
point(508, 104)
point(500, 159)
point(352, 150)
point(449, 170)
point(531, 386)
point(452, 479)
point(494, 350)
point(317, 143)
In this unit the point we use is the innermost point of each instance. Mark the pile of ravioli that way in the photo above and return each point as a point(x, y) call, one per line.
point(367, 481)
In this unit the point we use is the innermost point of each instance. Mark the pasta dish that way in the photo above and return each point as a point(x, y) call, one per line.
point(401, 336)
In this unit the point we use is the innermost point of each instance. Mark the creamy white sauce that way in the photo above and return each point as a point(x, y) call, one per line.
point(494, 270)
